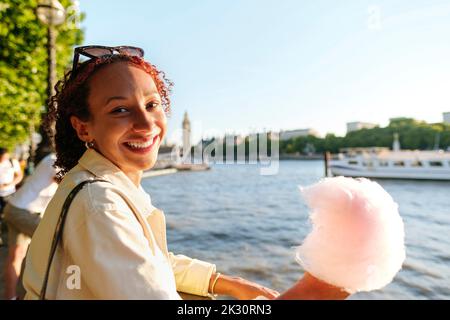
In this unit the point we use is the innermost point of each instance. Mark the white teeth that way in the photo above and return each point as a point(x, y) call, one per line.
point(140, 145)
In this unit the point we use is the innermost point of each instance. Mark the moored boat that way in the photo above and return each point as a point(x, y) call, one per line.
point(399, 164)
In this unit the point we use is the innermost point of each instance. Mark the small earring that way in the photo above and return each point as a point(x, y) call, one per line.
point(89, 145)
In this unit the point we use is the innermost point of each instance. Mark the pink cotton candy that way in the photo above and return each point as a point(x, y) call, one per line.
point(357, 240)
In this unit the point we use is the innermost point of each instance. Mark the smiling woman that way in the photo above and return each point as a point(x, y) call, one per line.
point(109, 116)
point(127, 121)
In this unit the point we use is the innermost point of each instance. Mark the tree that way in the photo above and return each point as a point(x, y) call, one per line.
point(23, 65)
point(413, 134)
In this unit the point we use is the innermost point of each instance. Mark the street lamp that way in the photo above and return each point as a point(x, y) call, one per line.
point(51, 13)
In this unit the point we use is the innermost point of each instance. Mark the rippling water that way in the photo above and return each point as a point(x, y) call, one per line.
point(247, 224)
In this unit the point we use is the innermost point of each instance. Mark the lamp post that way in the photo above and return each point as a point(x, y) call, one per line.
point(51, 13)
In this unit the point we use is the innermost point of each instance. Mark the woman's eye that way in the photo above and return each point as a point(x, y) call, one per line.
point(152, 105)
point(119, 110)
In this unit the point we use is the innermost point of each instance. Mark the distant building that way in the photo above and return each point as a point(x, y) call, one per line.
point(446, 117)
point(396, 143)
point(358, 125)
point(290, 134)
point(186, 133)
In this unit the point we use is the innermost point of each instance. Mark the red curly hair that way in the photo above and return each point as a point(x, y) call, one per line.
point(71, 99)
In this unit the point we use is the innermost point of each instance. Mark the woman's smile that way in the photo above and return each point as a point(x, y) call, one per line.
point(142, 146)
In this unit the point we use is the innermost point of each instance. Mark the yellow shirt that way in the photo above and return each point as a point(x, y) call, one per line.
point(114, 241)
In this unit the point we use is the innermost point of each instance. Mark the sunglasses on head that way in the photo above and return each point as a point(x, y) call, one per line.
point(101, 51)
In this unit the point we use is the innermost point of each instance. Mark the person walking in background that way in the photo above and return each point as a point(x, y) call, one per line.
point(10, 176)
point(22, 215)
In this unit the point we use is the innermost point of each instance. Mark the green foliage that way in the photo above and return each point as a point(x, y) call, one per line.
point(23, 65)
point(413, 135)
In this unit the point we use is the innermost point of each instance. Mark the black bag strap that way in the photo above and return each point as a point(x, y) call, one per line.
point(59, 230)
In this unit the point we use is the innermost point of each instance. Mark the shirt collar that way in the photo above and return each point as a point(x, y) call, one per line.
point(103, 168)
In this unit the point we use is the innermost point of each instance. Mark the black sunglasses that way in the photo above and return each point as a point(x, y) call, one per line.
point(100, 51)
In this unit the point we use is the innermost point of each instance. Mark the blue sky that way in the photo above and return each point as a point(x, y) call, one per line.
point(246, 65)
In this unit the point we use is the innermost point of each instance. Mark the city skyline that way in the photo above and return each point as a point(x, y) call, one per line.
point(184, 131)
point(243, 67)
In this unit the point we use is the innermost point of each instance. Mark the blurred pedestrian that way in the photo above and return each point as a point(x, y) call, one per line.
point(10, 176)
point(22, 215)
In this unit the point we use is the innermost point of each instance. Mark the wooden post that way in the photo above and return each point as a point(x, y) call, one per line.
point(326, 158)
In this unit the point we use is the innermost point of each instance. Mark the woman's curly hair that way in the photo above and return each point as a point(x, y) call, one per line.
point(71, 99)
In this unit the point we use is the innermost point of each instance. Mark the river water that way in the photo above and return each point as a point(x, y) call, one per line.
point(248, 224)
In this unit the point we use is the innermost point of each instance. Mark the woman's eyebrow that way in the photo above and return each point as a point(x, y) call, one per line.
point(152, 95)
point(114, 98)
point(148, 96)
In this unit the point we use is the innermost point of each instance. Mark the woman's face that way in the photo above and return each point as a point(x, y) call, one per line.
point(127, 122)
point(4, 157)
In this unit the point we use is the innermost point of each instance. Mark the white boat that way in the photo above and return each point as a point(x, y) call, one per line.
point(398, 164)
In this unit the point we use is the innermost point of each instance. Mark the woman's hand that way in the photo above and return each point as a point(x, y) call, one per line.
point(240, 288)
point(311, 288)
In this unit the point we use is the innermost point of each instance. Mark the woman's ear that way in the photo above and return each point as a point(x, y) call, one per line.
point(81, 127)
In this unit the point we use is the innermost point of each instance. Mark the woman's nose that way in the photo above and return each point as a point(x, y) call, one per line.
point(143, 120)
